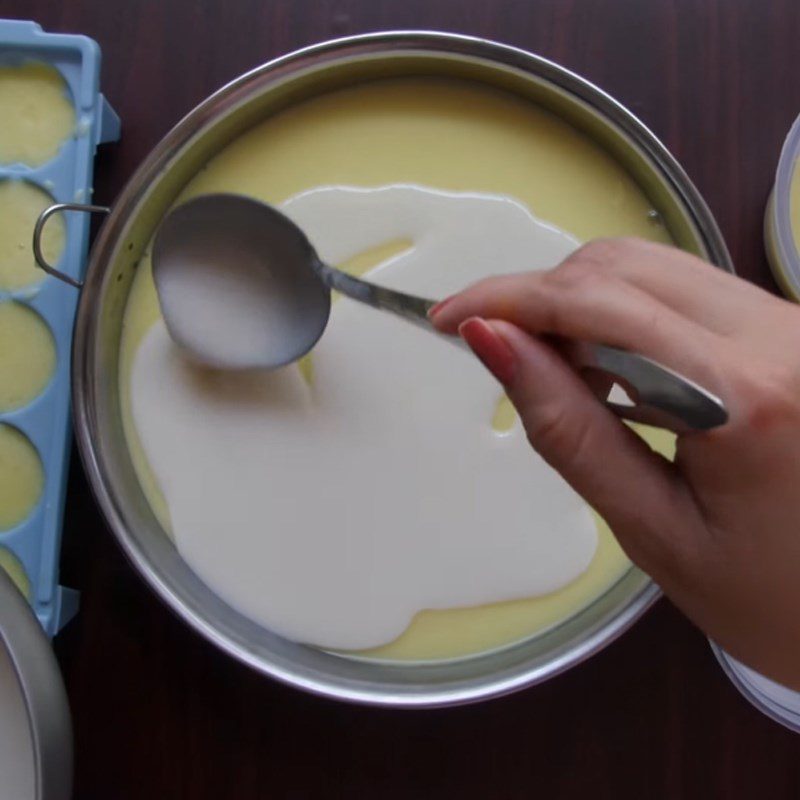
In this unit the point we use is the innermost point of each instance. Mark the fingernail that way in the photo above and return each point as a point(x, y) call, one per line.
point(434, 310)
point(490, 348)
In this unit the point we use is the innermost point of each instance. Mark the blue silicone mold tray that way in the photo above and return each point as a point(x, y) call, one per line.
point(45, 421)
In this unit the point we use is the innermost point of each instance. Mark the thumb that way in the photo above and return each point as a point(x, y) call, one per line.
point(637, 491)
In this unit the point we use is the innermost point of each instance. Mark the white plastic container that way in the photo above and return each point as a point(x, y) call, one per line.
point(780, 240)
point(770, 698)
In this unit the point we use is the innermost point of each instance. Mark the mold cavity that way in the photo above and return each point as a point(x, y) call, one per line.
point(358, 265)
point(369, 259)
point(618, 395)
point(13, 567)
point(21, 477)
point(505, 415)
point(38, 116)
point(20, 206)
point(306, 367)
point(27, 355)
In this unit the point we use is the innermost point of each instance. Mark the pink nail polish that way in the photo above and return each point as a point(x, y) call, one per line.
point(434, 310)
point(490, 348)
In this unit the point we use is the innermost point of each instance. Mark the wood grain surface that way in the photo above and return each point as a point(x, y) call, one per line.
point(160, 714)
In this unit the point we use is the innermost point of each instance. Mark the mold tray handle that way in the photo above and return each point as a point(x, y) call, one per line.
point(37, 237)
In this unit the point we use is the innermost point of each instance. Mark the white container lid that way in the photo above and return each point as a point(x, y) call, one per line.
point(35, 729)
point(17, 754)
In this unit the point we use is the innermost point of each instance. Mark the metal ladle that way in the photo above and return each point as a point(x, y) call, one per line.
point(253, 253)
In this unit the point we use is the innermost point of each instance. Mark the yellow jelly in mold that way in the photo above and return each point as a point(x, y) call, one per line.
point(14, 569)
point(20, 206)
point(794, 205)
point(37, 115)
point(21, 477)
point(27, 355)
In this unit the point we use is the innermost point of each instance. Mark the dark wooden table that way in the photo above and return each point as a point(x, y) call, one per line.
point(160, 714)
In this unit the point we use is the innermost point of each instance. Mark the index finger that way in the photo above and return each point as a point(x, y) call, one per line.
point(710, 296)
point(589, 305)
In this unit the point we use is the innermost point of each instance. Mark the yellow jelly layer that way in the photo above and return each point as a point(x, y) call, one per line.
point(449, 135)
point(27, 355)
point(20, 206)
point(13, 567)
point(21, 477)
point(37, 115)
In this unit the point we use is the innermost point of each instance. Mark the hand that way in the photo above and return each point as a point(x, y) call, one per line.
point(718, 529)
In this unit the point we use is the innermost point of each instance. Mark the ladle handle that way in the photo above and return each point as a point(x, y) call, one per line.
point(410, 307)
point(659, 396)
